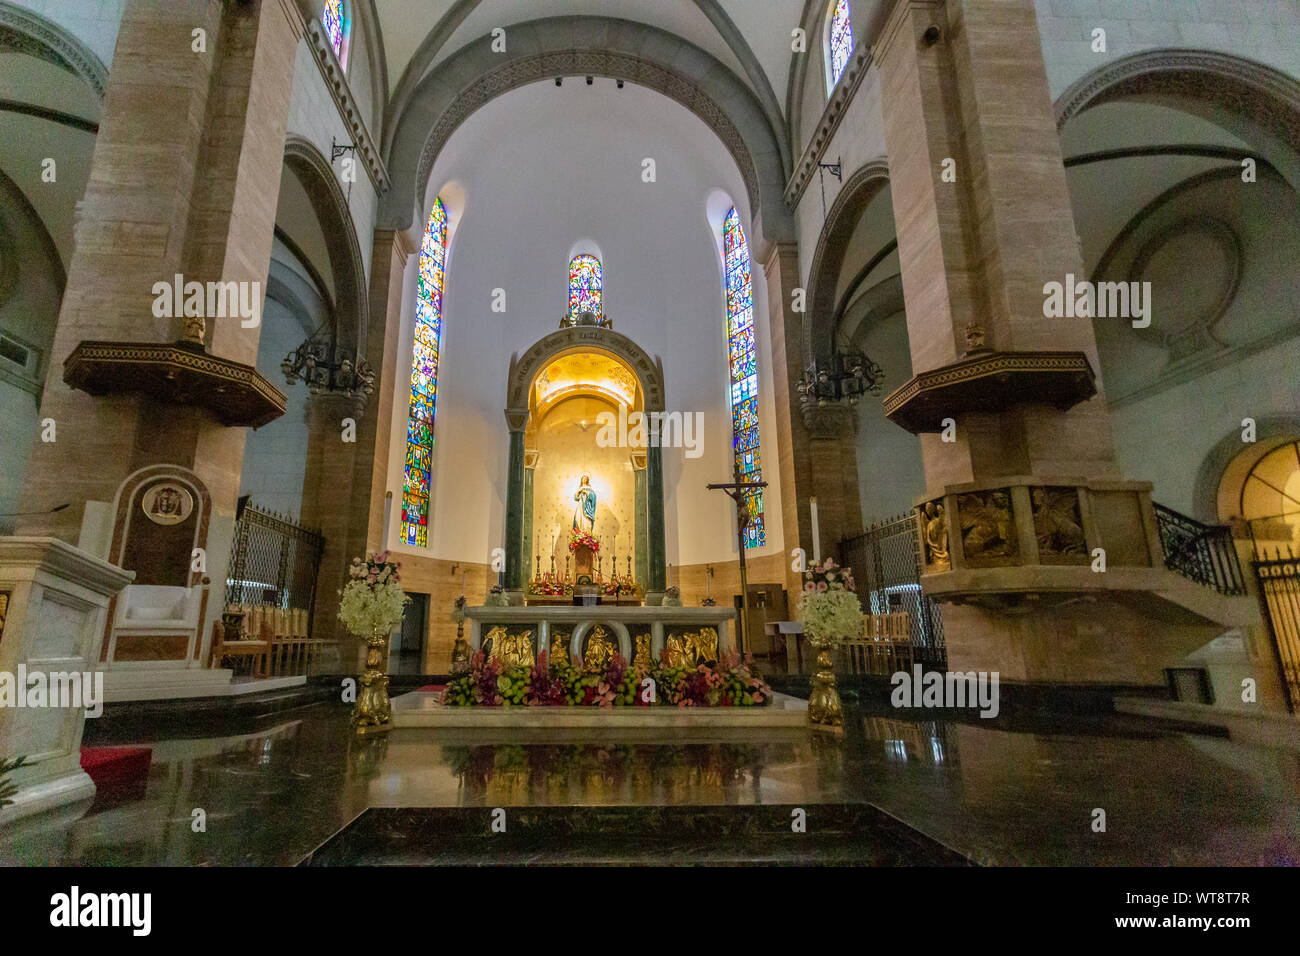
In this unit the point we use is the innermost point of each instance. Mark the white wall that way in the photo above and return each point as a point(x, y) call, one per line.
point(527, 176)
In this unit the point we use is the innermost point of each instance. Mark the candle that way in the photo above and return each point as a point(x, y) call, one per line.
point(816, 533)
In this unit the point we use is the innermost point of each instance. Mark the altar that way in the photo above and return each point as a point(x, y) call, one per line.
point(591, 633)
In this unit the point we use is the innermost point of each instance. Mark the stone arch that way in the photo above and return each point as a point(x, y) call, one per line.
point(597, 46)
point(828, 257)
point(352, 305)
point(621, 633)
point(1270, 432)
point(22, 31)
point(524, 368)
point(1246, 97)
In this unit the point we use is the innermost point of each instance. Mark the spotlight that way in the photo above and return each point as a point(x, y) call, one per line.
point(620, 84)
point(559, 80)
point(589, 81)
point(931, 35)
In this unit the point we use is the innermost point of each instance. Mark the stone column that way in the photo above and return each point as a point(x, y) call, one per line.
point(832, 431)
point(977, 252)
point(185, 180)
point(517, 419)
point(530, 469)
point(1019, 505)
point(640, 554)
point(329, 500)
point(656, 575)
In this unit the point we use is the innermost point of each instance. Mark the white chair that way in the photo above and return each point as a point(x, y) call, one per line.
point(152, 610)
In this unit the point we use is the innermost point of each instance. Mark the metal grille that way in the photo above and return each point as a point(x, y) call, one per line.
point(273, 561)
point(1203, 552)
point(1279, 592)
point(886, 563)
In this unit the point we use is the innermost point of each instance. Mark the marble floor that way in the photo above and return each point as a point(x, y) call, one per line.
point(275, 789)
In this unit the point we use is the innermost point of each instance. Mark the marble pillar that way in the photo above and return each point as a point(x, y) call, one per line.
point(515, 508)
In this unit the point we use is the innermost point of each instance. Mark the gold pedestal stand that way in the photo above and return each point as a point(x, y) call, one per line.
point(373, 713)
point(824, 701)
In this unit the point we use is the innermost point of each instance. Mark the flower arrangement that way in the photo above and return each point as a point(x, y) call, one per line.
point(828, 608)
point(563, 682)
point(579, 539)
point(550, 587)
point(496, 596)
point(458, 610)
point(709, 602)
point(617, 584)
point(372, 602)
point(673, 597)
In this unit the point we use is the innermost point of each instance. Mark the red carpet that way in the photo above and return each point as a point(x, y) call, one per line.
point(112, 767)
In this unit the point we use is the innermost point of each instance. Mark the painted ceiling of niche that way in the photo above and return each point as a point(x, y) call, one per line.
point(764, 24)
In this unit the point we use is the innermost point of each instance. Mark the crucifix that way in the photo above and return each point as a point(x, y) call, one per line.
point(737, 489)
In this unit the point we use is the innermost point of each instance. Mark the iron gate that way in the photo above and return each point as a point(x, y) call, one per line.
point(273, 561)
point(886, 563)
point(1279, 592)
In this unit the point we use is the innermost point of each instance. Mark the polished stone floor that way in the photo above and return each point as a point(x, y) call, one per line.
point(276, 789)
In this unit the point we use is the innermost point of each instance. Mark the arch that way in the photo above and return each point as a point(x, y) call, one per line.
point(1230, 454)
point(25, 32)
point(446, 26)
point(1246, 97)
point(598, 46)
point(352, 313)
point(828, 257)
point(621, 632)
point(524, 368)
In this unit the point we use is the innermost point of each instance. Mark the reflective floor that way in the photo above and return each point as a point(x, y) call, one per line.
point(273, 793)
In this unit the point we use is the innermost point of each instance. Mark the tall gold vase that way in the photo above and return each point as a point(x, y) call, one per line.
point(373, 712)
point(824, 701)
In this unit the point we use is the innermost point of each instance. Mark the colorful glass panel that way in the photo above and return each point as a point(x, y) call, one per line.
point(841, 40)
point(332, 18)
point(424, 379)
point(743, 358)
point(585, 281)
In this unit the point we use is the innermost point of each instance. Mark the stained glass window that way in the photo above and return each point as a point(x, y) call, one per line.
point(743, 358)
point(584, 287)
point(332, 17)
point(841, 40)
point(424, 378)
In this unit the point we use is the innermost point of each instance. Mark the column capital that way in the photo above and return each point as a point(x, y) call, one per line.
point(516, 419)
point(403, 244)
point(829, 421)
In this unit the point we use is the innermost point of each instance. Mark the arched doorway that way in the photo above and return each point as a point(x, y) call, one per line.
point(1259, 493)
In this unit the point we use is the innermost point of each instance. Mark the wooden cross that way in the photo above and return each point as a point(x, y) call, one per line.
point(737, 489)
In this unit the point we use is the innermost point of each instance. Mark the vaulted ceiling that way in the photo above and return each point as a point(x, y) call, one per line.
point(750, 37)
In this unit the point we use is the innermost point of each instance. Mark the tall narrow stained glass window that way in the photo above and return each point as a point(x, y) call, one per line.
point(743, 357)
point(332, 18)
point(424, 378)
point(841, 44)
point(585, 281)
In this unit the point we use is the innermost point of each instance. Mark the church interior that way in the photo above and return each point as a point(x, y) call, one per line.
point(418, 415)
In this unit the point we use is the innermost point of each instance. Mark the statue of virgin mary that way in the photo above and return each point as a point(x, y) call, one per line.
point(584, 516)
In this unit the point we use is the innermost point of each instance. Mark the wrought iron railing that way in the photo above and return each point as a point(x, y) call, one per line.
point(1204, 553)
point(273, 561)
point(1279, 593)
point(886, 563)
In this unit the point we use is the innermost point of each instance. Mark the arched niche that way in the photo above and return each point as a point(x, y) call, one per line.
point(526, 406)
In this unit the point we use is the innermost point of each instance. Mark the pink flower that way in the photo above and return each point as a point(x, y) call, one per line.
point(810, 586)
point(821, 585)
